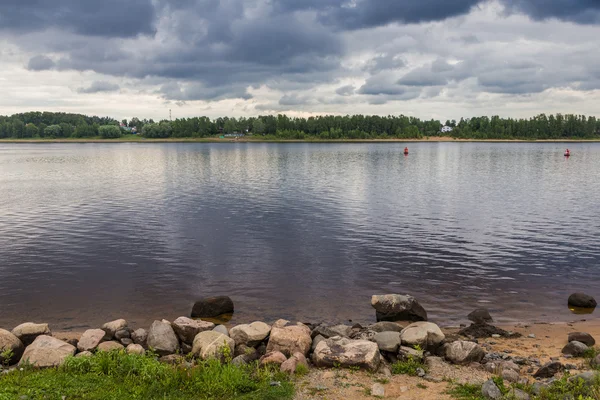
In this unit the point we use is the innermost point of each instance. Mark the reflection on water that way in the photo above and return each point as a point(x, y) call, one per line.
point(91, 232)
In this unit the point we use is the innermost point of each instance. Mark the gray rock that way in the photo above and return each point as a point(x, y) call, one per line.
point(9, 342)
point(489, 390)
point(317, 339)
point(162, 338)
point(139, 336)
point(510, 375)
point(531, 336)
point(90, 339)
point(386, 326)
point(210, 307)
point(396, 307)
point(290, 339)
point(549, 370)
point(172, 359)
point(404, 353)
point(112, 327)
point(462, 352)
point(46, 351)
point(212, 344)
point(377, 390)
point(186, 348)
point(135, 349)
point(596, 361)
point(582, 300)
point(240, 360)
point(588, 377)
point(122, 334)
point(480, 316)
point(347, 353)
point(84, 354)
point(582, 337)
point(28, 331)
point(331, 331)
point(575, 349)
point(388, 341)
point(187, 328)
point(110, 346)
point(222, 329)
point(250, 334)
point(425, 334)
point(518, 394)
point(126, 341)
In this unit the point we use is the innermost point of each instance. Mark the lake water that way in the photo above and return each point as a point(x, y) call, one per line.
point(93, 232)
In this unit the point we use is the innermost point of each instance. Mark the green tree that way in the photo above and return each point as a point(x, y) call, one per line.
point(31, 130)
point(53, 131)
point(109, 131)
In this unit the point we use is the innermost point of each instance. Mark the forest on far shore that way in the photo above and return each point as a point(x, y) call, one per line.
point(56, 125)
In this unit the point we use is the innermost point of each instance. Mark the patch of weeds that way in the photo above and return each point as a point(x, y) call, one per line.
point(301, 370)
point(383, 381)
point(574, 389)
point(354, 368)
point(6, 356)
point(421, 386)
point(466, 391)
point(408, 367)
point(500, 383)
point(316, 390)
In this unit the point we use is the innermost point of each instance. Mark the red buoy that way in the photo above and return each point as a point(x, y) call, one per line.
point(406, 151)
point(567, 153)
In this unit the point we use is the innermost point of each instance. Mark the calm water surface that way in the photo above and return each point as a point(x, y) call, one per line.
point(92, 232)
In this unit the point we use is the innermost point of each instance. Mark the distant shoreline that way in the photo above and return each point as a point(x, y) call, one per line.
point(436, 139)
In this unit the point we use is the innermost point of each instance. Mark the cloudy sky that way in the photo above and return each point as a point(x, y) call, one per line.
point(427, 58)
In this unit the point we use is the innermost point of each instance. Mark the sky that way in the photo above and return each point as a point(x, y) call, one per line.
point(442, 59)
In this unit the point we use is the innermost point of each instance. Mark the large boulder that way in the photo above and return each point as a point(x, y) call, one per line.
point(112, 327)
point(490, 391)
point(110, 346)
point(210, 344)
point(10, 343)
point(221, 329)
point(575, 349)
point(162, 338)
point(582, 337)
point(250, 334)
point(290, 339)
point(549, 370)
point(480, 316)
point(28, 331)
point(289, 366)
point(424, 334)
point(273, 358)
point(386, 326)
point(582, 300)
point(388, 341)
point(396, 307)
point(90, 339)
point(347, 353)
point(462, 352)
point(331, 331)
point(139, 336)
point(187, 328)
point(46, 351)
point(210, 307)
point(135, 349)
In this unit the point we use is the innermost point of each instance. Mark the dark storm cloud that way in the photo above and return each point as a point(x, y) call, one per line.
point(99, 87)
point(40, 63)
point(579, 11)
point(108, 18)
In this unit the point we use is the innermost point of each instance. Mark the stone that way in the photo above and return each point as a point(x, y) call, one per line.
point(377, 390)
point(139, 336)
point(575, 349)
point(388, 341)
point(211, 344)
point(549, 370)
point(10, 342)
point(221, 329)
point(186, 348)
point(290, 339)
point(405, 353)
point(187, 328)
point(112, 327)
point(240, 360)
point(489, 390)
point(396, 307)
point(110, 346)
point(273, 358)
point(386, 326)
point(135, 349)
point(347, 353)
point(425, 334)
point(46, 351)
point(596, 361)
point(582, 300)
point(73, 342)
point(289, 366)
point(317, 339)
point(480, 316)
point(28, 331)
point(462, 352)
point(210, 307)
point(172, 359)
point(122, 334)
point(250, 334)
point(518, 394)
point(162, 339)
point(531, 336)
point(126, 341)
point(588, 377)
point(510, 375)
point(582, 337)
point(84, 354)
point(331, 331)
point(280, 323)
point(480, 331)
point(90, 339)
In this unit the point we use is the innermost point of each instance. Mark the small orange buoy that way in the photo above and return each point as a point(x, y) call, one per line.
point(567, 153)
point(406, 151)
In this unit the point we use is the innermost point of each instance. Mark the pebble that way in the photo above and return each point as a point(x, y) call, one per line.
point(420, 372)
point(327, 375)
point(404, 389)
point(531, 336)
point(275, 383)
point(496, 336)
point(377, 390)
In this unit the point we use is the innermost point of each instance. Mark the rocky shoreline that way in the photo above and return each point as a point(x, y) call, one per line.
point(402, 334)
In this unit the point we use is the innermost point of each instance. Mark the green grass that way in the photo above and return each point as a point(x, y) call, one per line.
point(466, 392)
point(408, 367)
point(116, 375)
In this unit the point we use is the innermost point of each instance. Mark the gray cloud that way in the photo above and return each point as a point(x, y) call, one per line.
point(99, 87)
point(347, 90)
point(579, 11)
point(40, 63)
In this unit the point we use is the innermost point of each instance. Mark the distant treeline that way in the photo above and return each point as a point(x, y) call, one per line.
point(63, 125)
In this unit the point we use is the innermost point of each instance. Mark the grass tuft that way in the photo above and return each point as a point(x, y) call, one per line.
point(407, 367)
